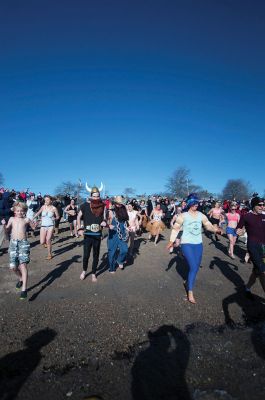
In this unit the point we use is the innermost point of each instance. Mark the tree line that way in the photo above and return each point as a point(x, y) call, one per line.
point(179, 184)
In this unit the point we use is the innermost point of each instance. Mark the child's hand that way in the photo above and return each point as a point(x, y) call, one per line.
point(3, 222)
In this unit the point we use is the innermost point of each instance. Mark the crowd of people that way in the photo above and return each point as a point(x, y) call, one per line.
point(22, 213)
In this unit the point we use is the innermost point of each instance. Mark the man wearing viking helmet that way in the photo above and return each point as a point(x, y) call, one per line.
point(93, 213)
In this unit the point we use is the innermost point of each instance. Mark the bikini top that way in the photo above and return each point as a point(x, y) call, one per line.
point(232, 217)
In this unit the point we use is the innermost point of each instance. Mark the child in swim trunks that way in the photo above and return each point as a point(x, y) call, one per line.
point(19, 247)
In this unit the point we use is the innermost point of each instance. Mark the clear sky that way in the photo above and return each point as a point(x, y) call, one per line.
point(125, 92)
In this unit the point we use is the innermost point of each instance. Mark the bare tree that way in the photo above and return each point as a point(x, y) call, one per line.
point(180, 184)
point(72, 188)
point(236, 189)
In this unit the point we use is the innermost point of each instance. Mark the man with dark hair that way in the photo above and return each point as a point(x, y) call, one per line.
point(254, 224)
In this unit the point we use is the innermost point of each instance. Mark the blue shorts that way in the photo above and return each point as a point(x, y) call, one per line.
point(231, 231)
point(19, 251)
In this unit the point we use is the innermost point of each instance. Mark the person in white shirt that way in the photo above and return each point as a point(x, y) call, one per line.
point(133, 226)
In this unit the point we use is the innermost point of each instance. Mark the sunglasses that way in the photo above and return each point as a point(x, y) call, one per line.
point(261, 204)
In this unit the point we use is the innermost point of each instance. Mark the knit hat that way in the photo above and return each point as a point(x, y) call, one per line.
point(255, 201)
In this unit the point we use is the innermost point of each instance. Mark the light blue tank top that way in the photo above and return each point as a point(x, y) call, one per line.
point(192, 228)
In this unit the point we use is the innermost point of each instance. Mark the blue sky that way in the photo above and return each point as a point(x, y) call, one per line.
point(125, 92)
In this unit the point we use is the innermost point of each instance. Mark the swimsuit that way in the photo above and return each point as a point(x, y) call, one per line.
point(47, 220)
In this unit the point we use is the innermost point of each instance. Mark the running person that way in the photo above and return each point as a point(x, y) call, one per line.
point(254, 224)
point(232, 220)
point(155, 226)
point(133, 226)
point(71, 210)
point(48, 214)
point(216, 216)
point(191, 241)
point(93, 213)
point(19, 246)
point(118, 235)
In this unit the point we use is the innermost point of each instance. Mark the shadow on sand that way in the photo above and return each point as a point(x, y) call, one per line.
point(52, 276)
point(158, 372)
point(15, 368)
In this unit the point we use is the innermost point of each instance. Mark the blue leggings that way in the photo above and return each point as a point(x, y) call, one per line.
point(193, 255)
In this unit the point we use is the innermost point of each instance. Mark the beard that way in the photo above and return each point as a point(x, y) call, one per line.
point(97, 207)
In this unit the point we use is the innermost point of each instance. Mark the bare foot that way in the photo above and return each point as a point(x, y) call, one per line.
point(83, 275)
point(191, 297)
point(49, 257)
point(94, 278)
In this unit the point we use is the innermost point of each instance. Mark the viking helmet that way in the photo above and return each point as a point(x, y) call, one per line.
point(94, 189)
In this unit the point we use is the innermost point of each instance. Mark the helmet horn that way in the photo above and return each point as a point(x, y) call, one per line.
point(88, 188)
point(101, 187)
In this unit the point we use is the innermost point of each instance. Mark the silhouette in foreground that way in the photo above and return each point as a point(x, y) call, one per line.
point(15, 368)
point(158, 372)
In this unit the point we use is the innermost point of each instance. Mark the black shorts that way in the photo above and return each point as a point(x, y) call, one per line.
point(214, 221)
point(71, 218)
point(256, 252)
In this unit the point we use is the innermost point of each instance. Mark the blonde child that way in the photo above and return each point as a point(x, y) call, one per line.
point(19, 247)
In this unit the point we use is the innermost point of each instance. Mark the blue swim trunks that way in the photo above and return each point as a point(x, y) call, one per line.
point(19, 251)
point(231, 231)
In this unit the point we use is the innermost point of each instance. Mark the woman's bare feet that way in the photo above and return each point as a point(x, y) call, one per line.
point(49, 257)
point(94, 278)
point(191, 297)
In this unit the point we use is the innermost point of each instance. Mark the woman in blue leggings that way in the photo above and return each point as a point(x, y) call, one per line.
point(191, 241)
